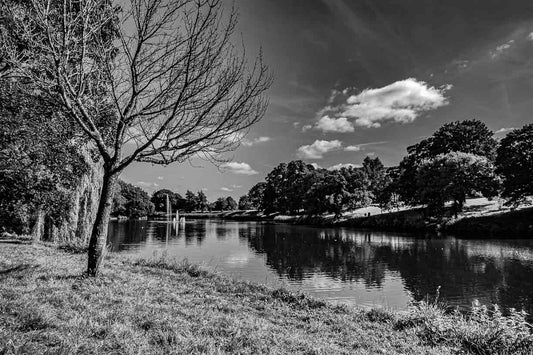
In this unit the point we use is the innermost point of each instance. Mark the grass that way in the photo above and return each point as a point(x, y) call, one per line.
point(510, 224)
point(482, 331)
point(155, 306)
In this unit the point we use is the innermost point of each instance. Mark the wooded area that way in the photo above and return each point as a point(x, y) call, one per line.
point(460, 160)
point(151, 81)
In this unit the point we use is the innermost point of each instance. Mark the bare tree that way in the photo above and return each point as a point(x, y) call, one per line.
point(155, 81)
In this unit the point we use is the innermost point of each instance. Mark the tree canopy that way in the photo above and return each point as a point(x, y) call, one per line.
point(454, 177)
point(468, 136)
point(515, 164)
point(159, 199)
point(131, 201)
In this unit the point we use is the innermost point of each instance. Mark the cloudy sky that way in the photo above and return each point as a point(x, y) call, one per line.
point(364, 77)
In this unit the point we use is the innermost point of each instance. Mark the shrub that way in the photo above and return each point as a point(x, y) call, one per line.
point(483, 330)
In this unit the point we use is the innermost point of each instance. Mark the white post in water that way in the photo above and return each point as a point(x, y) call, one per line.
point(169, 209)
point(169, 220)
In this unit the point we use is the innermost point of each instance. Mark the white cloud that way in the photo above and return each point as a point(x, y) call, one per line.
point(160, 178)
point(248, 142)
point(530, 36)
point(148, 185)
point(239, 168)
point(504, 46)
point(230, 189)
point(501, 48)
point(353, 148)
point(359, 147)
point(402, 102)
point(340, 166)
point(505, 130)
point(340, 125)
point(318, 149)
point(306, 128)
point(316, 166)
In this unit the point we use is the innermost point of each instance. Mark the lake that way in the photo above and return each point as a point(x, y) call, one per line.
point(345, 265)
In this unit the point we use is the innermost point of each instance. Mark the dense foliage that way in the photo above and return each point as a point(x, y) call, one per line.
point(297, 187)
point(453, 177)
point(225, 204)
point(470, 136)
point(37, 171)
point(515, 164)
point(159, 199)
point(131, 201)
point(460, 160)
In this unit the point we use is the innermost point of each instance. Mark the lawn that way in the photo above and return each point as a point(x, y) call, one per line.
point(159, 306)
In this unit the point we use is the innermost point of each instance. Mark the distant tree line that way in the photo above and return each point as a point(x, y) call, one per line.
point(460, 160)
point(133, 202)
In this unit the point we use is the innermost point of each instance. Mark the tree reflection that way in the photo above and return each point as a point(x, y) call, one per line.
point(490, 271)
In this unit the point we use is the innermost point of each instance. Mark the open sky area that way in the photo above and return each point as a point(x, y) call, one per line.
point(365, 77)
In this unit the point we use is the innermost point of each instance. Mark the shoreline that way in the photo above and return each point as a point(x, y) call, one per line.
point(163, 306)
point(494, 225)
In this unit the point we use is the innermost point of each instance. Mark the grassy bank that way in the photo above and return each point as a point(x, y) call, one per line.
point(156, 306)
point(480, 219)
point(510, 224)
point(505, 224)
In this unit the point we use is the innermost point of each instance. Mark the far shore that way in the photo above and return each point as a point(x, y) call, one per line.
point(481, 218)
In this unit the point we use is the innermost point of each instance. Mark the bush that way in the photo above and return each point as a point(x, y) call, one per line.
point(482, 331)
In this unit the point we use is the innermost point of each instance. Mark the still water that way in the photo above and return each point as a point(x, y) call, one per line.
point(345, 265)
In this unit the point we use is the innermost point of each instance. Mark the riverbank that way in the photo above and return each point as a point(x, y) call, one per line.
point(480, 219)
point(159, 306)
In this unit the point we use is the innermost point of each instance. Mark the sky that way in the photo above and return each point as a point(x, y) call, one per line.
point(357, 78)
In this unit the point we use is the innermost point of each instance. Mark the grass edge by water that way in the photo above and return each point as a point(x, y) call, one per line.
point(148, 298)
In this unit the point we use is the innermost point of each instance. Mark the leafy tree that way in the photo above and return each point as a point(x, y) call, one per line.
point(201, 201)
point(377, 176)
point(231, 204)
point(297, 182)
point(159, 199)
point(329, 194)
point(244, 203)
point(387, 196)
point(220, 204)
point(119, 202)
point(514, 163)
point(285, 186)
point(38, 172)
point(191, 201)
point(172, 86)
point(469, 136)
point(454, 177)
point(358, 187)
point(132, 201)
point(225, 204)
point(256, 195)
point(274, 199)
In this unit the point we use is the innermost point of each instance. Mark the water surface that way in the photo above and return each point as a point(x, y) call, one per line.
point(345, 265)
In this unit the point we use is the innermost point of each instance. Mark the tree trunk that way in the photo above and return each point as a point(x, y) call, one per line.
point(38, 227)
point(98, 241)
point(89, 191)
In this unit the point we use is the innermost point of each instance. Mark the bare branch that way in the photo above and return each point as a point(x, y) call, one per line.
point(159, 75)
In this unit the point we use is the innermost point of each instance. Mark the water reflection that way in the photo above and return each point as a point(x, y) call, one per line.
point(353, 266)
